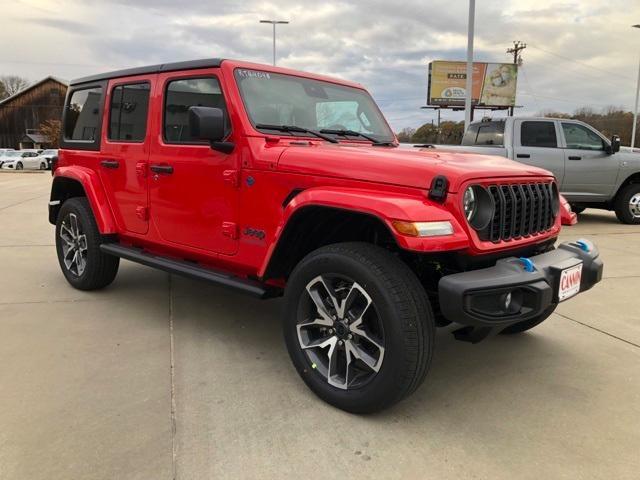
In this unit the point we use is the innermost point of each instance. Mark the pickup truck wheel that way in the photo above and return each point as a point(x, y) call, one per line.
point(627, 204)
point(577, 210)
point(78, 246)
point(358, 326)
point(529, 324)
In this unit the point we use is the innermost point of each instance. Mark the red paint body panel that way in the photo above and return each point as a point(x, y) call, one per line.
point(192, 212)
point(126, 185)
point(566, 215)
point(95, 192)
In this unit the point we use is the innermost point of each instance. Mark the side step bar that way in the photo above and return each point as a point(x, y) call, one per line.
point(188, 269)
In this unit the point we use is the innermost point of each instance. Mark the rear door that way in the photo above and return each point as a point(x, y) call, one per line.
point(590, 172)
point(125, 151)
point(536, 142)
point(193, 189)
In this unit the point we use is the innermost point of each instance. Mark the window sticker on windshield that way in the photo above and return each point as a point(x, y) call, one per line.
point(254, 74)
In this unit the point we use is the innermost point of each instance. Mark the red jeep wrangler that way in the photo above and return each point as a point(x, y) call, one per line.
point(273, 181)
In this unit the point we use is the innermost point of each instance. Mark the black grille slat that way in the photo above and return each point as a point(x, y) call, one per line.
point(521, 210)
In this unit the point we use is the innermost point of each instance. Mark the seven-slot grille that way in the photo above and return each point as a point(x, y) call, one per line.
point(521, 210)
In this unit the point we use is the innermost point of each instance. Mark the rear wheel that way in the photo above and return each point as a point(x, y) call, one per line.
point(43, 166)
point(627, 204)
point(529, 324)
point(358, 326)
point(78, 242)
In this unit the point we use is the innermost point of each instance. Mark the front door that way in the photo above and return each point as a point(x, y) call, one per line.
point(125, 152)
point(193, 195)
point(590, 172)
point(536, 143)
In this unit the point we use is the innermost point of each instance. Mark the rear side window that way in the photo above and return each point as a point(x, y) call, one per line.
point(485, 134)
point(182, 94)
point(82, 115)
point(128, 112)
point(538, 134)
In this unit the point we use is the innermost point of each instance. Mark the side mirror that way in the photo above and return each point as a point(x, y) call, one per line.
point(208, 123)
point(615, 145)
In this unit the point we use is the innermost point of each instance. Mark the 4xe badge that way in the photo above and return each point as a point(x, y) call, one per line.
point(254, 233)
point(570, 279)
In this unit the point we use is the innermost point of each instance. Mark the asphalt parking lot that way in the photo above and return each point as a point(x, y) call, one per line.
point(158, 377)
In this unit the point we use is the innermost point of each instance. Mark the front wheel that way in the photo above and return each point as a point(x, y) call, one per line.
point(358, 326)
point(577, 210)
point(78, 242)
point(19, 166)
point(627, 204)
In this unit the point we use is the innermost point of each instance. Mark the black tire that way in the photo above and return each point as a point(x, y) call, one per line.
point(529, 324)
point(577, 210)
point(43, 166)
point(622, 204)
point(401, 307)
point(99, 269)
point(19, 166)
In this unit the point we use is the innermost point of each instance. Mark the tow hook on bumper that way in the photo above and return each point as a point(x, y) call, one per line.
point(515, 289)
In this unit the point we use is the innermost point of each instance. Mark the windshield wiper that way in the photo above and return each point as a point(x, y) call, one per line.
point(295, 129)
point(353, 133)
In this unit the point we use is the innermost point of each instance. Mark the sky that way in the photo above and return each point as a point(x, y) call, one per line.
point(580, 53)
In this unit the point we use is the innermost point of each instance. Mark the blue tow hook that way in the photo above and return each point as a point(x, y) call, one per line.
point(528, 264)
point(583, 245)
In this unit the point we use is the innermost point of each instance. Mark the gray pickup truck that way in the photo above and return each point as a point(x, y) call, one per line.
point(592, 171)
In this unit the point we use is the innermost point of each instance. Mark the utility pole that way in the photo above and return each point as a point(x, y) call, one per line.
point(518, 46)
point(274, 23)
point(635, 109)
point(468, 108)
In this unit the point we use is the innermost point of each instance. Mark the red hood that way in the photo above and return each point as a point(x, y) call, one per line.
point(399, 166)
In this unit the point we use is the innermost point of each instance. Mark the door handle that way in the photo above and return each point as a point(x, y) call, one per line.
point(523, 155)
point(166, 169)
point(574, 157)
point(110, 163)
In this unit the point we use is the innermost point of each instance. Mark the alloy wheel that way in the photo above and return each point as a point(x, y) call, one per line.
point(74, 245)
point(340, 331)
point(634, 205)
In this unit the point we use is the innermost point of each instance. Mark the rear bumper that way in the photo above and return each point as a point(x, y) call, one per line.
point(478, 298)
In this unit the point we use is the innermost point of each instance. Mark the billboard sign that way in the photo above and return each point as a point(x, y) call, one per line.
point(494, 84)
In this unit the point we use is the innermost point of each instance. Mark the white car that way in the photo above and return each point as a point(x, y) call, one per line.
point(48, 155)
point(21, 159)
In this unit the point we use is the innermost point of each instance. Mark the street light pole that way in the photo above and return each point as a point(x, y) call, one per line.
point(274, 23)
point(469, 85)
point(635, 110)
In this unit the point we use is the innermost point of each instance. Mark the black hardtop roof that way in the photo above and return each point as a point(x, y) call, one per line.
point(162, 67)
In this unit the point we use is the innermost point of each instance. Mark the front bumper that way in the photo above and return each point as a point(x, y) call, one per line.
point(479, 298)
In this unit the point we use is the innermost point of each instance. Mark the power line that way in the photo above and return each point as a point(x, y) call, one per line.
point(569, 59)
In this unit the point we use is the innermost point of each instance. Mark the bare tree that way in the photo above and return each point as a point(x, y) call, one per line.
point(51, 130)
point(12, 84)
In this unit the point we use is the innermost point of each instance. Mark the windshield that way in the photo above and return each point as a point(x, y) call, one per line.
point(278, 99)
point(49, 152)
point(12, 154)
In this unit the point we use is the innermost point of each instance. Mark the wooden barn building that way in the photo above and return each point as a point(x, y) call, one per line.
point(22, 114)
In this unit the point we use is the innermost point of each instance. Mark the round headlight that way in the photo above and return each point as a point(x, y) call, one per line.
point(478, 206)
point(469, 203)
